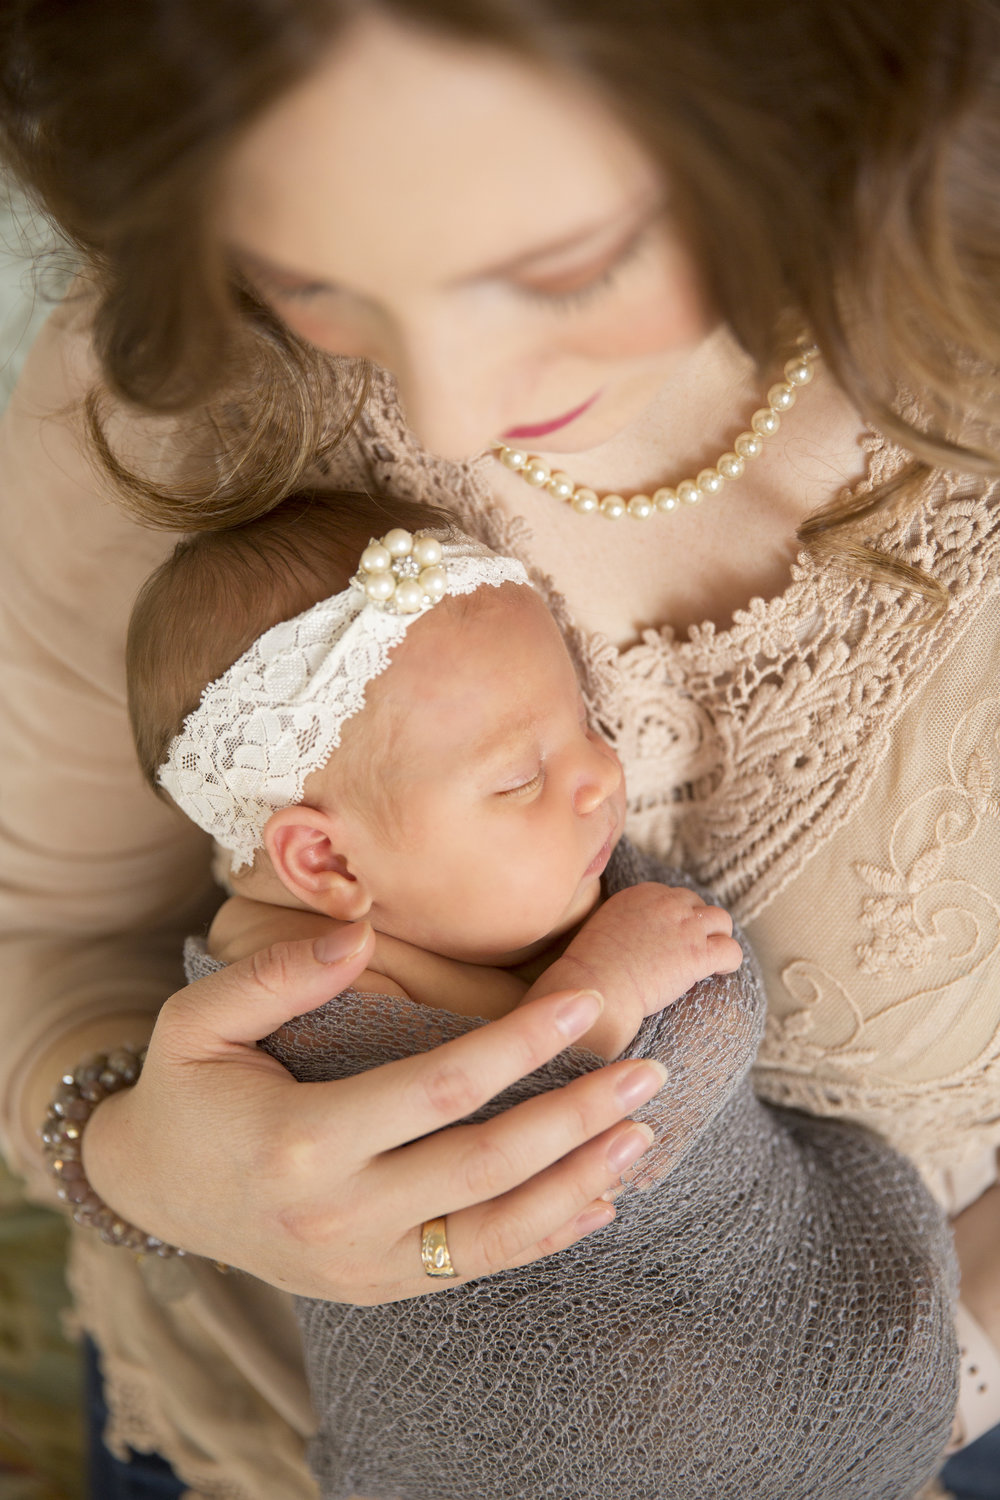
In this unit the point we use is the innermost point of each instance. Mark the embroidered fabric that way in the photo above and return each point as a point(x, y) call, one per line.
point(768, 1318)
point(277, 714)
point(802, 763)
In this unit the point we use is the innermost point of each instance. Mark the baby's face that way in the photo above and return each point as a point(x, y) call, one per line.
point(499, 807)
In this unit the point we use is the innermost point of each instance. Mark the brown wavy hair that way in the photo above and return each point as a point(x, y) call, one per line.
point(835, 163)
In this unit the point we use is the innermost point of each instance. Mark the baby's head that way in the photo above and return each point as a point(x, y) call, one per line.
point(467, 807)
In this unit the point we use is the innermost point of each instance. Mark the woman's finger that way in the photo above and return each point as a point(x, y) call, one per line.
point(404, 1100)
point(553, 1209)
point(471, 1164)
point(247, 1000)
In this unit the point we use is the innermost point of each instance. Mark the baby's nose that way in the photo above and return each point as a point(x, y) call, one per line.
point(602, 779)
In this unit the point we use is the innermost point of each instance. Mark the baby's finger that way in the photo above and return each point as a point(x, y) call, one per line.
point(724, 954)
point(717, 919)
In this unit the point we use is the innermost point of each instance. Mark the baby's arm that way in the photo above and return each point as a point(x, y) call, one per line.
point(642, 949)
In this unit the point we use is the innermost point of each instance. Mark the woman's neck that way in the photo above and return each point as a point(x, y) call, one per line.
point(700, 563)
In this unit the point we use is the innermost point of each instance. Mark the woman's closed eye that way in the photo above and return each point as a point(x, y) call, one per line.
point(275, 290)
point(574, 288)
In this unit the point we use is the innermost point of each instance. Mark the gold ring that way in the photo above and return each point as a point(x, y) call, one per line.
point(434, 1249)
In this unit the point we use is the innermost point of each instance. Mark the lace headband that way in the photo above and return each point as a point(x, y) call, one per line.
point(277, 714)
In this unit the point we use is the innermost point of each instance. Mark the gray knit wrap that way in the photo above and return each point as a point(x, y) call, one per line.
point(770, 1320)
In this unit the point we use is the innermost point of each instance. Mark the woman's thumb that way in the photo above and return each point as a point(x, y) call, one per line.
point(249, 999)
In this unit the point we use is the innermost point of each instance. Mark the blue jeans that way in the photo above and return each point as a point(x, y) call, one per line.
point(974, 1473)
point(146, 1477)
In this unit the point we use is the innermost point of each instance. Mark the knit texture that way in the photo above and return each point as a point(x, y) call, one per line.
point(768, 1316)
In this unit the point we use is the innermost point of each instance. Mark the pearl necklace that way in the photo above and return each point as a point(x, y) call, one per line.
point(748, 445)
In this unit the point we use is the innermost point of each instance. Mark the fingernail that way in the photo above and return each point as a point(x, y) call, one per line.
point(577, 1015)
point(342, 943)
point(641, 1083)
point(595, 1218)
point(628, 1147)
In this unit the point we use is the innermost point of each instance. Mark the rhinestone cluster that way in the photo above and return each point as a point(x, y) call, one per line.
point(403, 572)
point(748, 445)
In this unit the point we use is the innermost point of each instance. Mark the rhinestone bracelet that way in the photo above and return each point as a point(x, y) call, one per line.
point(78, 1095)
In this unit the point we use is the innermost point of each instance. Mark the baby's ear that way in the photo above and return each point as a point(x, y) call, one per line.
point(303, 845)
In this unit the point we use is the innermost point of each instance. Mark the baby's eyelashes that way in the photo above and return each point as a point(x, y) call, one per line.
point(523, 788)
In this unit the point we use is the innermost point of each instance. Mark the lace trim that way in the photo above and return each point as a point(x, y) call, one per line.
point(277, 714)
point(749, 746)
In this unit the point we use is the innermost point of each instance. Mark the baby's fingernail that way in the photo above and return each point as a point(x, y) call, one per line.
point(342, 943)
point(641, 1083)
point(628, 1147)
point(595, 1217)
point(578, 1014)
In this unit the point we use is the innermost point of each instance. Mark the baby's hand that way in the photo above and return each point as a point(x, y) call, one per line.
point(643, 949)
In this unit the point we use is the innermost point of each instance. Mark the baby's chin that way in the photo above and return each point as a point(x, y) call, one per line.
point(550, 944)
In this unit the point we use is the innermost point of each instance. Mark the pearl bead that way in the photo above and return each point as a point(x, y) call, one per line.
point(409, 596)
point(376, 558)
point(765, 421)
point(427, 551)
point(380, 586)
point(560, 486)
point(798, 372)
point(398, 541)
point(749, 445)
point(537, 472)
point(434, 582)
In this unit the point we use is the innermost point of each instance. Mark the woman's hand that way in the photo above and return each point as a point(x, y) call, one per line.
point(322, 1188)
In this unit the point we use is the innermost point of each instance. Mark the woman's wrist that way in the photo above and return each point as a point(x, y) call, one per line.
point(45, 1068)
point(81, 1091)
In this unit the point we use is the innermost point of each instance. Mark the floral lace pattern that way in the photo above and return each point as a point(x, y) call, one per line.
point(747, 749)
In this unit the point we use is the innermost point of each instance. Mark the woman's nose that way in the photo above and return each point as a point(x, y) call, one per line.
point(451, 374)
point(601, 777)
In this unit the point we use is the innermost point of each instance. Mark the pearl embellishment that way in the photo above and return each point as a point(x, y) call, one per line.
point(403, 573)
point(764, 423)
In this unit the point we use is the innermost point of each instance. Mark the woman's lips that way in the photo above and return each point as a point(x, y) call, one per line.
point(541, 428)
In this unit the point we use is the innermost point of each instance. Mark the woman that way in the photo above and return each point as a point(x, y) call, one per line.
point(598, 239)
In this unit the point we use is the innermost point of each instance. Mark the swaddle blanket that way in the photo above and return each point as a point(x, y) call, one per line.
point(769, 1317)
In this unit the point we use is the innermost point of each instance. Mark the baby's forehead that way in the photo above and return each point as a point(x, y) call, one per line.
point(475, 656)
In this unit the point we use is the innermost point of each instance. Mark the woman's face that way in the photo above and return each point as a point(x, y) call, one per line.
point(486, 231)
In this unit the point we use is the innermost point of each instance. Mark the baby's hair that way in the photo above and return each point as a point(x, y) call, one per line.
point(218, 591)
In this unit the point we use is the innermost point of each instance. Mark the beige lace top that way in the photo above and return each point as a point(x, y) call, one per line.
point(833, 775)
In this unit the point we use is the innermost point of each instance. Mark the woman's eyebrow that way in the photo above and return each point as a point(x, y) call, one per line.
point(571, 241)
point(511, 267)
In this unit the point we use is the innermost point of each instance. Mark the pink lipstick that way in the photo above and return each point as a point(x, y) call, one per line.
point(539, 429)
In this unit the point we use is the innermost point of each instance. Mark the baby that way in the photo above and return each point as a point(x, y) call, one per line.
point(468, 811)
point(404, 740)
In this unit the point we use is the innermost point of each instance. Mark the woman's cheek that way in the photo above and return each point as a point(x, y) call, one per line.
point(328, 334)
point(665, 310)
